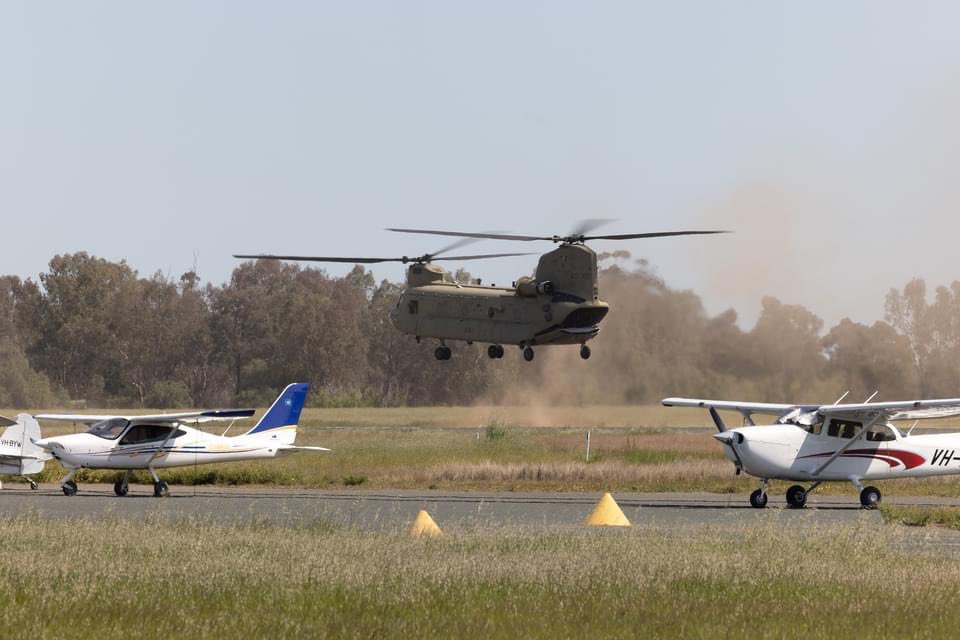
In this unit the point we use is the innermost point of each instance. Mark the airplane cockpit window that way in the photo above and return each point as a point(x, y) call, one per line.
point(810, 421)
point(844, 428)
point(880, 433)
point(109, 429)
point(149, 433)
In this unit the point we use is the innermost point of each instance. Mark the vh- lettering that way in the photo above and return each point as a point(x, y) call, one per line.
point(942, 457)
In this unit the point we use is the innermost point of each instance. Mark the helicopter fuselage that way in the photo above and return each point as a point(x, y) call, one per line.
point(559, 305)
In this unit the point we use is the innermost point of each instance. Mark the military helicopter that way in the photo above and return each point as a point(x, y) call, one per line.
point(560, 304)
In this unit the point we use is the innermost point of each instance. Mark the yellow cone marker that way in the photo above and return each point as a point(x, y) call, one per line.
point(607, 513)
point(424, 525)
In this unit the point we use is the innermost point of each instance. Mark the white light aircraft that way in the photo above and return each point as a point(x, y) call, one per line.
point(19, 456)
point(160, 441)
point(838, 442)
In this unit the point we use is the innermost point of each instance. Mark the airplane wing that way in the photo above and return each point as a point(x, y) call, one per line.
point(190, 416)
point(907, 410)
point(763, 408)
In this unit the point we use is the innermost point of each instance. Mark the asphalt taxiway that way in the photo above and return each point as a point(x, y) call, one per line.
point(393, 509)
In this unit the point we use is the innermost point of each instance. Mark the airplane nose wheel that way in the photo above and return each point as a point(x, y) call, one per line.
point(870, 498)
point(797, 497)
point(528, 354)
point(585, 352)
point(758, 499)
point(69, 488)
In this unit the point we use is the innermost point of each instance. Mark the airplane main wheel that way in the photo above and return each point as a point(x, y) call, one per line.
point(528, 354)
point(870, 498)
point(69, 488)
point(120, 488)
point(585, 352)
point(160, 489)
point(797, 496)
point(34, 485)
point(758, 499)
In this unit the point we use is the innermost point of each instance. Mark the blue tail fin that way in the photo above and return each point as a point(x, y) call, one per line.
point(285, 410)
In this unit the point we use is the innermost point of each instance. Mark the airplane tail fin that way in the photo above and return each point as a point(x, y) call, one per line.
point(280, 421)
point(18, 453)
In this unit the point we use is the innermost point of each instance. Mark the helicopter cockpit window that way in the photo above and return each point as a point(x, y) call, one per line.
point(413, 307)
point(880, 433)
point(844, 428)
point(109, 429)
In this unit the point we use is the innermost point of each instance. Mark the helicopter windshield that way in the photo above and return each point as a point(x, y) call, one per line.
point(109, 429)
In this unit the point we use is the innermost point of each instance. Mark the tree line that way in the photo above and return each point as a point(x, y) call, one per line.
point(93, 332)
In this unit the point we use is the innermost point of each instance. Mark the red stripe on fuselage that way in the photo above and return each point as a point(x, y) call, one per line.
point(893, 457)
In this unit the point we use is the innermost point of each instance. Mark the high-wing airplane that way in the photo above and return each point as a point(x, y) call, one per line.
point(838, 442)
point(164, 440)
point(19, 456)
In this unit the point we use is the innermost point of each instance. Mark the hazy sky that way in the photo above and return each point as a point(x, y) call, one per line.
point(824, 133)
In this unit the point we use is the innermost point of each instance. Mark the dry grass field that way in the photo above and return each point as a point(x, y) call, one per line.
point(503, 448)
point(85, 579)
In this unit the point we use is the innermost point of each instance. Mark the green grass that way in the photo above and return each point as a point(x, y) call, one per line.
point(85, 579)
point(921, 516)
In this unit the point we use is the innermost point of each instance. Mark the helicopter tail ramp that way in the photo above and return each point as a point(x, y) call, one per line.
point(18, 455)
point(280, 421)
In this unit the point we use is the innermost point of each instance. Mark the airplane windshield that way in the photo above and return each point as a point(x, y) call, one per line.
point(109, 429)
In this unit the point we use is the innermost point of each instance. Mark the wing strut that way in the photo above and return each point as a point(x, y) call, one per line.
point(839, 452)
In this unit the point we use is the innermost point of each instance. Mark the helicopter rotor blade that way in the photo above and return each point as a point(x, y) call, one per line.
point(480, 236)
point(656, 234)
point(322, 259)
point(481, 256)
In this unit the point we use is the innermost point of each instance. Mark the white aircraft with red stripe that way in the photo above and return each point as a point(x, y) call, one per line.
point(838, 442)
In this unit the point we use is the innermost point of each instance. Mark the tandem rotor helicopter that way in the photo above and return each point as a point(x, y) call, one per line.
point(560, 304)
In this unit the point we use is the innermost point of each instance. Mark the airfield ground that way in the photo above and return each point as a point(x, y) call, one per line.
point(314, 545)
point(632, 449)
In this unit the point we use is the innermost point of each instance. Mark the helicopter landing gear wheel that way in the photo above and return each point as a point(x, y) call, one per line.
point(442, 353)
point(160, 489)
point(495, 351)
point(69, 488)
point(870, 498)
point(797, 497)
point(585, 352)
point(528, 354)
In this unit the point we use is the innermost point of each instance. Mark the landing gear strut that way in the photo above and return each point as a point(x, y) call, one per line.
point(495, 351)
point(758, 499)
point(160, 488)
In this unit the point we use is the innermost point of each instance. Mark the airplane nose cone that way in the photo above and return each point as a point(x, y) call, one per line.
point(729, 437)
